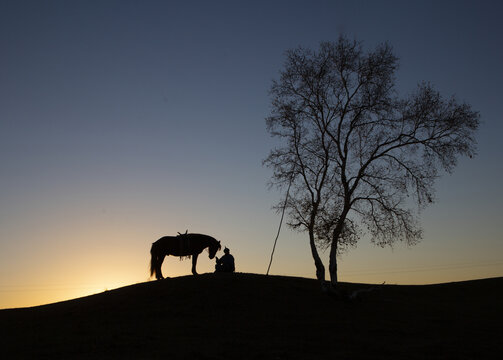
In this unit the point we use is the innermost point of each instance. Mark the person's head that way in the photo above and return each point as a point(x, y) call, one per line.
point(226, 251)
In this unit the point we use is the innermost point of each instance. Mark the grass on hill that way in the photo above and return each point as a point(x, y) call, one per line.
point(248, 316)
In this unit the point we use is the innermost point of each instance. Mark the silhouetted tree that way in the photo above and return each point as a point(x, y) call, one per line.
point(358, 156)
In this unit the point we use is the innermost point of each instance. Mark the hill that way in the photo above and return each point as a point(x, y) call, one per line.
point(247, 316)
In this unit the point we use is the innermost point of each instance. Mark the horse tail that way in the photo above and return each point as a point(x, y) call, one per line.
point(153, 260)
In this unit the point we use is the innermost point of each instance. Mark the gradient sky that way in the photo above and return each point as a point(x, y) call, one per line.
point(124, 121)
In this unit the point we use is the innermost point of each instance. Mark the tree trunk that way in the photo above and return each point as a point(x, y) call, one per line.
point(320, 268)
point(332, 266)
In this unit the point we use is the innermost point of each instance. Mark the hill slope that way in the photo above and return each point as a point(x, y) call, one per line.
point(246, 316)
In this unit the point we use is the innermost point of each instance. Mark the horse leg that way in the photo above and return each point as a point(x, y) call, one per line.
point(194, 262)
point(158, 271)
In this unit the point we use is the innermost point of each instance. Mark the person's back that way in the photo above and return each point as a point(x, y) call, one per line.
point(228, 262)
point(225, 263)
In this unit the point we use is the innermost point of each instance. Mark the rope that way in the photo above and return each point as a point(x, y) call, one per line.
point(280, 223)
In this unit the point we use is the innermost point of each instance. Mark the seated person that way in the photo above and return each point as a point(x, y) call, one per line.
point(225, 263)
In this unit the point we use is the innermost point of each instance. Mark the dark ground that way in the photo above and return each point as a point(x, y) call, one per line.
point(247, 316)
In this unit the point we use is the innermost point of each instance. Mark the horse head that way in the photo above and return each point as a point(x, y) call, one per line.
point(213, 248)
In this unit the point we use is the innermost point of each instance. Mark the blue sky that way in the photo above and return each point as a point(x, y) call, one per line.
point(123, 121)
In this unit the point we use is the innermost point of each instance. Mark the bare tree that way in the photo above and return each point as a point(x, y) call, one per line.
point(358, 156)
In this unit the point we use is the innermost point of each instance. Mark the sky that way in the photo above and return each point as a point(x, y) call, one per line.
point(124, 121)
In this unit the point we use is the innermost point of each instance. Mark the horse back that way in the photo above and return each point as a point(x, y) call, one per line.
point(183, 245)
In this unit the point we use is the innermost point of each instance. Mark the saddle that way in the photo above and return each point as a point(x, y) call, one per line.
point(184, 244)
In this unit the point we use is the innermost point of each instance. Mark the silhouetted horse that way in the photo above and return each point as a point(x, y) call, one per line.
point(181, 245)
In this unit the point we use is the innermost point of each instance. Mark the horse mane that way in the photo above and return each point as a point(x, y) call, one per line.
point(215, 243)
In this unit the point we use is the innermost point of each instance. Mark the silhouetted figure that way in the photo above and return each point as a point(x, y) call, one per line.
point(225, 263)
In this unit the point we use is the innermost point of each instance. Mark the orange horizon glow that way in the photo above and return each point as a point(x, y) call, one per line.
point(43, 289)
